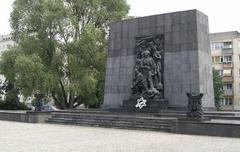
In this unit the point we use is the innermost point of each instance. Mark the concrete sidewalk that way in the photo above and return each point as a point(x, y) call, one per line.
point(24, 137)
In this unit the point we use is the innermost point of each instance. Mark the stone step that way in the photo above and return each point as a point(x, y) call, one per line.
point(111, 119)
point(98, 119)
point(135, 110)
point(102, 116)
point(223, 117)
point(106, 112)
point(83, 111)
point(166, 122)
point(207, 115)
point(227, 115)
point(142, 112)
point(112, 122)
point(115, 125)
point(223, 113)
point(171, 115)
point(114, 119)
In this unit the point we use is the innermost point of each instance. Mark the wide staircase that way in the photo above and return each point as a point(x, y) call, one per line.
point(161, 121)
point(103, 118)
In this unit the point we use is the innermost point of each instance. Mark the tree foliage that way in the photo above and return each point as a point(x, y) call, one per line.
point(61, 48)
point(218, 85)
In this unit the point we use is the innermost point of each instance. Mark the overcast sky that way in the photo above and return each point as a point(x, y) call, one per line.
point(223, 15)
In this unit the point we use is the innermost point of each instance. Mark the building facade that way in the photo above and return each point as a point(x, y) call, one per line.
point(225, 50)
point(6, 41)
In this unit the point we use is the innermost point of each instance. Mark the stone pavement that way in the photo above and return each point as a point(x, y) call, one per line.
point(25, 137)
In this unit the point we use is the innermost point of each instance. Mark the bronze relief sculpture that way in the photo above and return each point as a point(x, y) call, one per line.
point(148, 70)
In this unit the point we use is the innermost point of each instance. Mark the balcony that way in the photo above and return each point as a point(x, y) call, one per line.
point(227, 65)
point(227, 51)
point(227, 79)
point(228, 92)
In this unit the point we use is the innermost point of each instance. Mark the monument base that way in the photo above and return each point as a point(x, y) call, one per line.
point(189, 119)
point(151, 105)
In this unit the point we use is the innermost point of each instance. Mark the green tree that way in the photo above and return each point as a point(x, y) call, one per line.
point(8, 61)
point(218, 85)
point(61, 48)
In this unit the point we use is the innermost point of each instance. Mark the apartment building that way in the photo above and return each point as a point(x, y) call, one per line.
point(6, 41)
point(225, 50)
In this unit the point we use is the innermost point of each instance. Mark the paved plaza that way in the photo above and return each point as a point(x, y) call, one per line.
point(25, 137)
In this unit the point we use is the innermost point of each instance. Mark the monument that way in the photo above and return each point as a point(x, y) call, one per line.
point(147, 84)
point(39, 101)
point(159, 57)
point(194, 105)
point(148, 69)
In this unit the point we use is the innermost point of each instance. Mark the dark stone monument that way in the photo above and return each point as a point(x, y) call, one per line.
point(194, 105)
point(39, 101)
point(159, 57)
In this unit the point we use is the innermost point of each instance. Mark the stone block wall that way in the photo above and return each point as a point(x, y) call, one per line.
point(187, 59)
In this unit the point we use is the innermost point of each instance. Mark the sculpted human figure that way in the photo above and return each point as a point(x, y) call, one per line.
point(138, 86)
point(158, 73)
point(148, 67)
point(147, 80)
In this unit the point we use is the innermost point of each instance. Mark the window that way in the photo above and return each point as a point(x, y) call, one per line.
point(227, 45)
point(217, 59)
point(227, 59)
point(226, 101)
point(217, 45)
point(221, 45)
point(227, 86)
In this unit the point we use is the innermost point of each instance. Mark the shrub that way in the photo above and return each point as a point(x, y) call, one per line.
point(12, 102)
point(6, 105)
